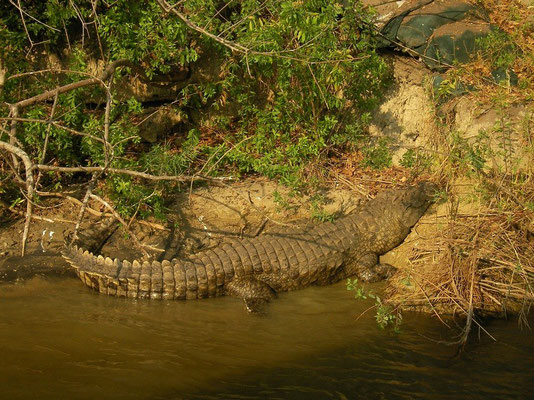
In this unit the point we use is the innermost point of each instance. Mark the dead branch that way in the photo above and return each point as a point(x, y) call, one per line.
point(231, 45)
point(137, 174)
point(97, 213)
point(47, 137)
point(83, 207)
point(29, 186)
point(105, 75)
point(124, 224)
point(107, 125)
point(39, 218)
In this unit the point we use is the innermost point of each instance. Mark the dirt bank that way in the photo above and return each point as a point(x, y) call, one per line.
point(196, 220)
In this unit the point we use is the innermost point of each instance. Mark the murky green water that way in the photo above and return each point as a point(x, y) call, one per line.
point(59, 340)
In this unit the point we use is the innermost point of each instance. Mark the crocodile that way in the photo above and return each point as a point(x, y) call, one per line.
point(255, 269)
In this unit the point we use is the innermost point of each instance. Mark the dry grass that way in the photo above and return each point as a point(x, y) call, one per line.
point(476, 264)
point(481, 262)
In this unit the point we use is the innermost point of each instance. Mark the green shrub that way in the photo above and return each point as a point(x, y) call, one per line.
point(306, 85)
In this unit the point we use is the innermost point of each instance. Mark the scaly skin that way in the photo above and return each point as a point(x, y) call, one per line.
point(255, 269)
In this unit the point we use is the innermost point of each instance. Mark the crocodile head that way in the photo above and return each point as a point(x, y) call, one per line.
point(415, 201)
point(401, 209)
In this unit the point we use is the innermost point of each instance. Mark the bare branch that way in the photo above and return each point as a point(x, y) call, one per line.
point(14, 112)
point(107, 125)
point(45, 145)
point(231, 45)
point(18, 6)
point(124, 224)
point(29, 186)
point(96, 213)
point(75, 85)
point(83, 207)
point(22, 11)
point(3, 73)
point(142, 175)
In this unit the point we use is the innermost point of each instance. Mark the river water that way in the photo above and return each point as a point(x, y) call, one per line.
point(59, 340)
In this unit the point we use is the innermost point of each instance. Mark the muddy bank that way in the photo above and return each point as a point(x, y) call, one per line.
point(442, 133)
point(197, 220)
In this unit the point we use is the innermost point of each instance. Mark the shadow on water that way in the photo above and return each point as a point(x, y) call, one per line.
point(59, 340)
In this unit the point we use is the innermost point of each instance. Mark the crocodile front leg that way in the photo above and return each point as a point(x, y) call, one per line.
point(363, 267)
point(254, 292)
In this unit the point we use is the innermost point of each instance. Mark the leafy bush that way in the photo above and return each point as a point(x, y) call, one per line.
point(305, 84)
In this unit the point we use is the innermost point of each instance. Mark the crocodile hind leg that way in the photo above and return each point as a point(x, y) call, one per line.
point(377, 273)
point(254, 292)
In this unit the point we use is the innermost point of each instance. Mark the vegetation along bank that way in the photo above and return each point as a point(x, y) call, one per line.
point(275, 111)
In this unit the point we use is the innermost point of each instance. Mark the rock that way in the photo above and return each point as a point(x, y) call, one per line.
point(441, 32)
point(505, 75)
point(159, 122)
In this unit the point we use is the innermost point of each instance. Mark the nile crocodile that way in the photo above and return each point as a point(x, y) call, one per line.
point(255, 269)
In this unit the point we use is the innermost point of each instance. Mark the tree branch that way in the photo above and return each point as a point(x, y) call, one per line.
point(142, 175)
point(75, 85)
point(29, 186)
point(124, 224)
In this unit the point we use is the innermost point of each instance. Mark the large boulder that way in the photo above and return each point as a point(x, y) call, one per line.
point(441, 32)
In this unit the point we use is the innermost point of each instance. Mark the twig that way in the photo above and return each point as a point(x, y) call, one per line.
point(119, 218)
point(39, 218)
point(98, 213)
point(319, 87)
point(22, 11)
point(45, 145)
point(260, 227)
point(19, 7)
point(83, 207)
point(107, 124)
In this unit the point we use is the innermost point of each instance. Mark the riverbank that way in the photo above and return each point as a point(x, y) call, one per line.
point(469, 129)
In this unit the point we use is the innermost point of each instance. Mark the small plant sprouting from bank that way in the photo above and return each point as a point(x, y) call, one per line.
point(317, 209)
point(416, 160)
point(385, 315)
point(377, 155)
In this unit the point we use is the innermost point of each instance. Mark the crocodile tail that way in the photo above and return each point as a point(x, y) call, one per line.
point(98, 273)
point(174, 279)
